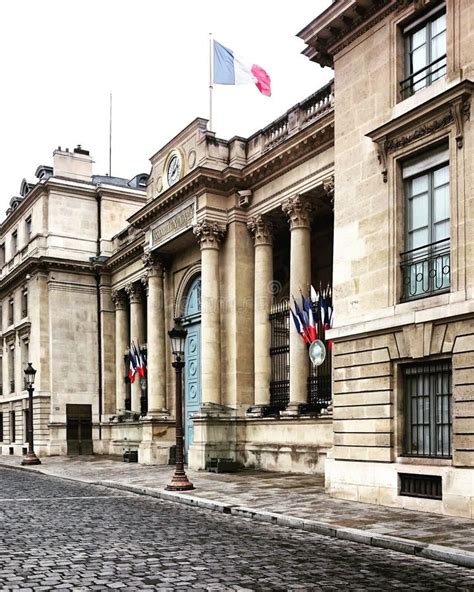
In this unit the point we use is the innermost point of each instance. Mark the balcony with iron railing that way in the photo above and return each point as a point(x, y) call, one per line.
point(423, 77)
point(426, 270)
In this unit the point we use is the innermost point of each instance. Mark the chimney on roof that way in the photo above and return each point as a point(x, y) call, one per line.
point(75, 165)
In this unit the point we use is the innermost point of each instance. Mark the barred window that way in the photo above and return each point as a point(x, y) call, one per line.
point(428, 411)
point(425, 51)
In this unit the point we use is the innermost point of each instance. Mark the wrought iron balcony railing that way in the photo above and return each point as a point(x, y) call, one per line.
point(423, 77)
point(426, 270)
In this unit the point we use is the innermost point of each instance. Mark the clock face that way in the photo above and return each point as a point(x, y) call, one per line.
point(174, 170)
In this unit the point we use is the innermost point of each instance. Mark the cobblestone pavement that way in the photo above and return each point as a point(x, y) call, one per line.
point(60, 535)
point(302, 496)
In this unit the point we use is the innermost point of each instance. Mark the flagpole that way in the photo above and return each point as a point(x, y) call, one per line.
point(110, 136)
point(210, 82)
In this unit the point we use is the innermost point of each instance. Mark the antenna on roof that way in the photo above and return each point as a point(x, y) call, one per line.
point(110, 137)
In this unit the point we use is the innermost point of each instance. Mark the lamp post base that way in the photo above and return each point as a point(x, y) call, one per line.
point(30, 459)
point(179, 482)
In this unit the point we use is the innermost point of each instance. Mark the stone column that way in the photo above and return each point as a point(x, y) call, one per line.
point(136, 334)
point(263, 299)
point(121, 338)
point(156, 338)
point(209, 235)
point(298, 211)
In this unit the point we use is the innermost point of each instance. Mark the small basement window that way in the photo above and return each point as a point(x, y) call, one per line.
point(426, 486)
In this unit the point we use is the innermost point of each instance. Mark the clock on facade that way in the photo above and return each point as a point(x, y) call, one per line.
point(173, 167)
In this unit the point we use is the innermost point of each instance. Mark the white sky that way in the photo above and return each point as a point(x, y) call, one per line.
point(61, 59)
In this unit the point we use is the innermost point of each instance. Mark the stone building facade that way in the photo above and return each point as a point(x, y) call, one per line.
point(52, 243)
point(403, 250)
point(365, 186)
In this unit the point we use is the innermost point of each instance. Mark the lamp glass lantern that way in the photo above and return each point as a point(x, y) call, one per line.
point(30, 374)
point(177, 336)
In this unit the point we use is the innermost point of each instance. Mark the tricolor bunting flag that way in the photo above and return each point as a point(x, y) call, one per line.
point(231, 69)
point(299, 326)
point(315, 316)
point(132, 370)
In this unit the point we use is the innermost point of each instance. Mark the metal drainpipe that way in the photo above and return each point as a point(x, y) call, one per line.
point(99, 318)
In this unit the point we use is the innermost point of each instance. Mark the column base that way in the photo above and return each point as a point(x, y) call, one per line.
point(156, 414)
point(30, 459)
point(214, 410)
point(257, 411)
point(179, 482)
point(292, 410)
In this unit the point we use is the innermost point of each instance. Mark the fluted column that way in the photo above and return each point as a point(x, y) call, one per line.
point(298, 211)
point(136, 334)
point(263, 299)
point(209, 235)
point(121, 335)
point(156, 338)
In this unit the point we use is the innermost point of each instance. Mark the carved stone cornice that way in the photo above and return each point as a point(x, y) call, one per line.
point(339, 26)
point(209, 234)
point(449, 109)
point(298, 210)
point(134, 293)
point(261, 229)
point(119, 299)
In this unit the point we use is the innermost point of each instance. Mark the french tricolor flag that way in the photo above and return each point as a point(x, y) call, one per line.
point(229, 69)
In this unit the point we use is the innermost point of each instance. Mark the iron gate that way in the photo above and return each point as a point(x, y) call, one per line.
point(319, 379)
point(280, 355)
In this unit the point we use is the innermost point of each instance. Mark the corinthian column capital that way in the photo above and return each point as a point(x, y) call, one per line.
point(134, 293)
point(119, 299)
point(153, 264)
point(262, 230)
point(298, 210)
point(209, 234)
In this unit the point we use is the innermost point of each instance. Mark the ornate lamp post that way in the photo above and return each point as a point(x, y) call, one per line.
point(180, 481)
point(30, 458)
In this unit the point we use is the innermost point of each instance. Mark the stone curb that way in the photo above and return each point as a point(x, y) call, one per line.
point(356, 535)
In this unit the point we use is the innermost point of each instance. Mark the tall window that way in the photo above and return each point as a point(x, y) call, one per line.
point(28, 228)
point(25, 352)
point(425, 51)
point(11, 369)
point(24, 303)
point(14, 242)
point(426, 260)
point(428, 413)
point(1, 427)
point(2, 254)
point(12, 427)
point(11, 310)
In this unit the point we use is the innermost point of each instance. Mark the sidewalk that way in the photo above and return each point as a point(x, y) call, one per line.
point(297, 501)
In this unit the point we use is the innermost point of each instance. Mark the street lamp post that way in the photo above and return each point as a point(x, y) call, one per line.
point(179, 481)
point(30, 458)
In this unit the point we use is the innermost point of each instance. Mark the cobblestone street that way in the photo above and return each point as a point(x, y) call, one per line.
point(56, 534)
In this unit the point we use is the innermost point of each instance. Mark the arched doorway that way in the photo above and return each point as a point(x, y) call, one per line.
point(192, 371)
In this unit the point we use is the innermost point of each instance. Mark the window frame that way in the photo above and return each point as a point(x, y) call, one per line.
point(431, 252)
point(407, 84)
point(432, 370)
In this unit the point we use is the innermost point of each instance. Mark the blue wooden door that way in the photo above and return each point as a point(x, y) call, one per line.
point(192, 369)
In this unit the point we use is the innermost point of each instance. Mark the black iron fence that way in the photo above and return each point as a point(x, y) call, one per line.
point(280, 355)
point(426, 270)
point(319, 379)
